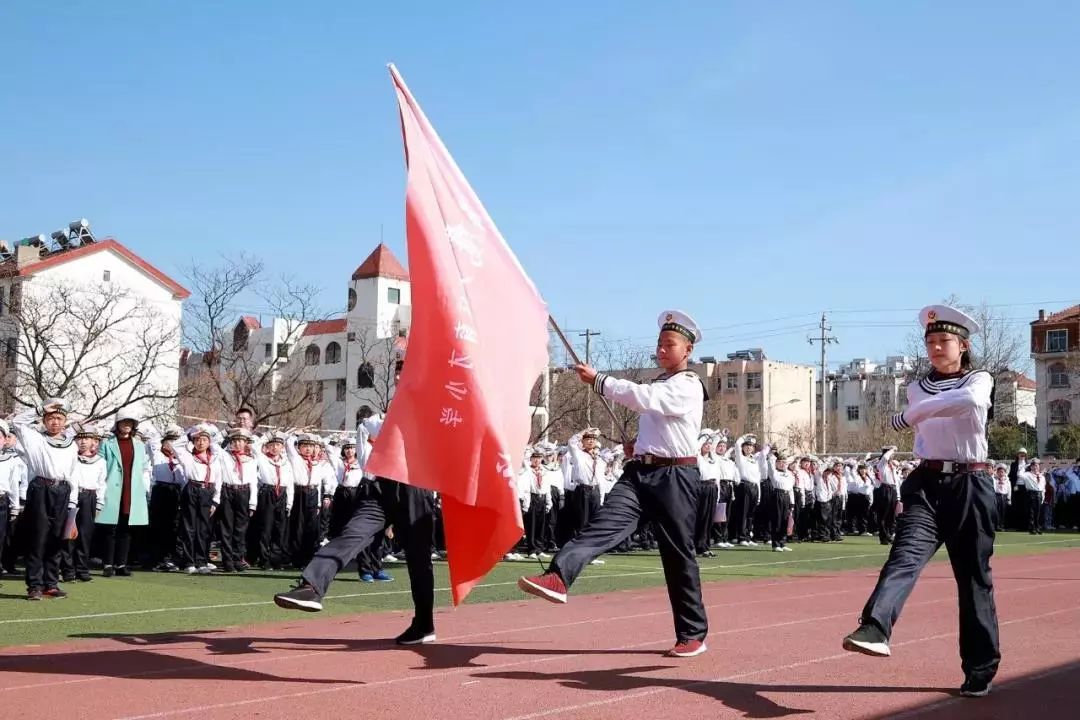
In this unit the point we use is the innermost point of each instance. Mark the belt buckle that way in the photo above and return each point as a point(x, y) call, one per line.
point(947, 467)
point(647, 459)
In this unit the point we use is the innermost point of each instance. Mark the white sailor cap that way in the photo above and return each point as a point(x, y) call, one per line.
point(240, 433)
point(1001, 466)
point(276, 436)
point(87, 429)
point(202, 429)
point(592, 432)
point(173, 432)
point(942, 318)
point(307, 439)
point(1034, 461)
point(680, 322)
point(55, 405)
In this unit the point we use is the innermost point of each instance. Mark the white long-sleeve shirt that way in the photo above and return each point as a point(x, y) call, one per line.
point(949, 417)
point(671, 408)
point(206, 468)
point(726, 469)
point(535, 482)
point(1002, 486)
point(886, 473)
point(44, 459)
point(310, 473)
point(277, 474)
point(350, 474)
point(782, 480)
point(583, 468)
point(241, 471)
point(826, 486)
point(709, 468)
point(91, 474)
point(749, 466)
point(803, 480)
point(1032, 481)
point(12, 480)
point(860, 484)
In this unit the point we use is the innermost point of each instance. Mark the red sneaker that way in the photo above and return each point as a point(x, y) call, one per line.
point(688, 648)
point(548, 586)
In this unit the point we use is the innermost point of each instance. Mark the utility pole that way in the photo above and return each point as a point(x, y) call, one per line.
point(588, 335)
point(824, 339)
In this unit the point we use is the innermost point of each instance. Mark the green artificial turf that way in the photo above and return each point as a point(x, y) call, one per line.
point(119, 606)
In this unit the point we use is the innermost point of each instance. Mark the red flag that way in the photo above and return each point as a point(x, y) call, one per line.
point(459, 421)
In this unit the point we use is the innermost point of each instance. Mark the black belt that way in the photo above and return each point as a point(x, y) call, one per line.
point(950, 467)
point(47, 481)
point(657, 461)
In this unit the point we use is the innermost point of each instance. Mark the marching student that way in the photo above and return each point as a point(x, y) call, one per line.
point(1033, 482)
point(126, 499)
point(12, 479)
point(886, 495)
point(51, 496)
point(783, 492)
point(199, 497)
point(660, 482)
point(167, 481)
point(1003, 490)
point(727, 478)
point(239, 498)
point(748, 491)
point(709, 492)
point(270, 524)
point(90, 476)
point(948, 500)
point(410, 511)
point(537, 483)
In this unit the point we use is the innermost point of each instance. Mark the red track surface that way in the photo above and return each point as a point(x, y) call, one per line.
point(774, 652)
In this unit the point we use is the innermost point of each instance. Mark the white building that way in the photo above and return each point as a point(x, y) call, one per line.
point(345, 363)
point(1055, 348)
point(131, 308)
point(862, 392)
point(1014, 398)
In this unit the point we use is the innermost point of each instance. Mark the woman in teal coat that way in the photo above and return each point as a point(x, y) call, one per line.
point(128, 489)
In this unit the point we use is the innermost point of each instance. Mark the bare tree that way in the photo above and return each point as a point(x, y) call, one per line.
point(236, 374)
point(101, 347)
point(381, 358)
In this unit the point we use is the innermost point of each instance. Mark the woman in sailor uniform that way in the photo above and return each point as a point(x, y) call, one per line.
point(660, 482)
point(948, 500)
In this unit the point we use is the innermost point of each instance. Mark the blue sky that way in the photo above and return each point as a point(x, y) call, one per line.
point(752, 163)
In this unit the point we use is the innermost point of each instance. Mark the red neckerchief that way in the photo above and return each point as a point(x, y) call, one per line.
point(539, 478)
point(205, 459)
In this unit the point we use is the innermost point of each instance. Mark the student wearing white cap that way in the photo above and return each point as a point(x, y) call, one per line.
point(12, 479)
point(710, 476)
point(1033, 481)
point(660, 481)
point(749, 462)
point(90, 477)
point(948, 500)
point(310, 482)
point(199, 497)
point(886, 493)
point(51, 497)
point(239, 498)
point(1003, 489)
point(167, 480)
point(269, 547)
point(586, 471)
point(727, 478)
point(536, 481)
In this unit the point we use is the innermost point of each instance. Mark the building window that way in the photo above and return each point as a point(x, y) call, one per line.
point(333, 353)
point(106, 276)
point(365, 376)
point(732, 381)
point(732, 412)
point(283, 351)
point(852, 412)
point(312, 355)
point(1057, 340)
point(393, 296)
point(352, 299)
point(341, 388)
point(1059, 412)
point(351, 336)
point(871, 398)
point(753, 381)
point(1059, 376)
point(268, 349)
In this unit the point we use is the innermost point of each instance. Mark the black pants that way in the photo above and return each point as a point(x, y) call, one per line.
point(587, 504)
point(75, 558)
point(705, 510)
point(1002, 508)
point(117, 542)
point(956, 511)
point(858, 512)
point(270, 527)
point(781, 508)
point(837, 517)
point(233, 514)
point(1034, 504)
point(824, 521)
point(535, 523)
point(193, 546)
point(885, 499)
point(410, 510)
point(45, 514)
point(164, 517)
point(304, 525)
point(6, 527)
point(747, 496)
point(551, 524)
point(668, 496)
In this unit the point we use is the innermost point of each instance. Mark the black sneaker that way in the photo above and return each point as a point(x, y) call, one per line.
point(415, 636)
point(84, 578)
point(122, 571)
point(302, 597)
point(868, 640)
point(974, 688)
point(34, 594)
point(55, 593)
point(108, 571)
point(67, 578)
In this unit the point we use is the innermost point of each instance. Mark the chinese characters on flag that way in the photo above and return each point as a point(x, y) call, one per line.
point(459, 421)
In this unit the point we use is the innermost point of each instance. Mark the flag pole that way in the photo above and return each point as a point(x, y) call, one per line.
point(577, 361)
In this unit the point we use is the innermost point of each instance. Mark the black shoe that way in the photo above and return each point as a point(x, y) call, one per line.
point(67, 578)
point(974, 688)
point(55, 593)
point(228, 567)
point(108, 571)
point(34, 594)
point(868, 640)
point(122, 571)
point(414, 636)
point(84, 578)
point(302, 597)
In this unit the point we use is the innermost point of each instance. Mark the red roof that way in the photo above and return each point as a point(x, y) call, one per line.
point(325, 327)
point(381, 263)
point(250, 322)
point(59, 258)
point(1069, 313)
point(1023, 382)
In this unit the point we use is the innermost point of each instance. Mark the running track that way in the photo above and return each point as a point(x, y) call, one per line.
point(774, 652)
